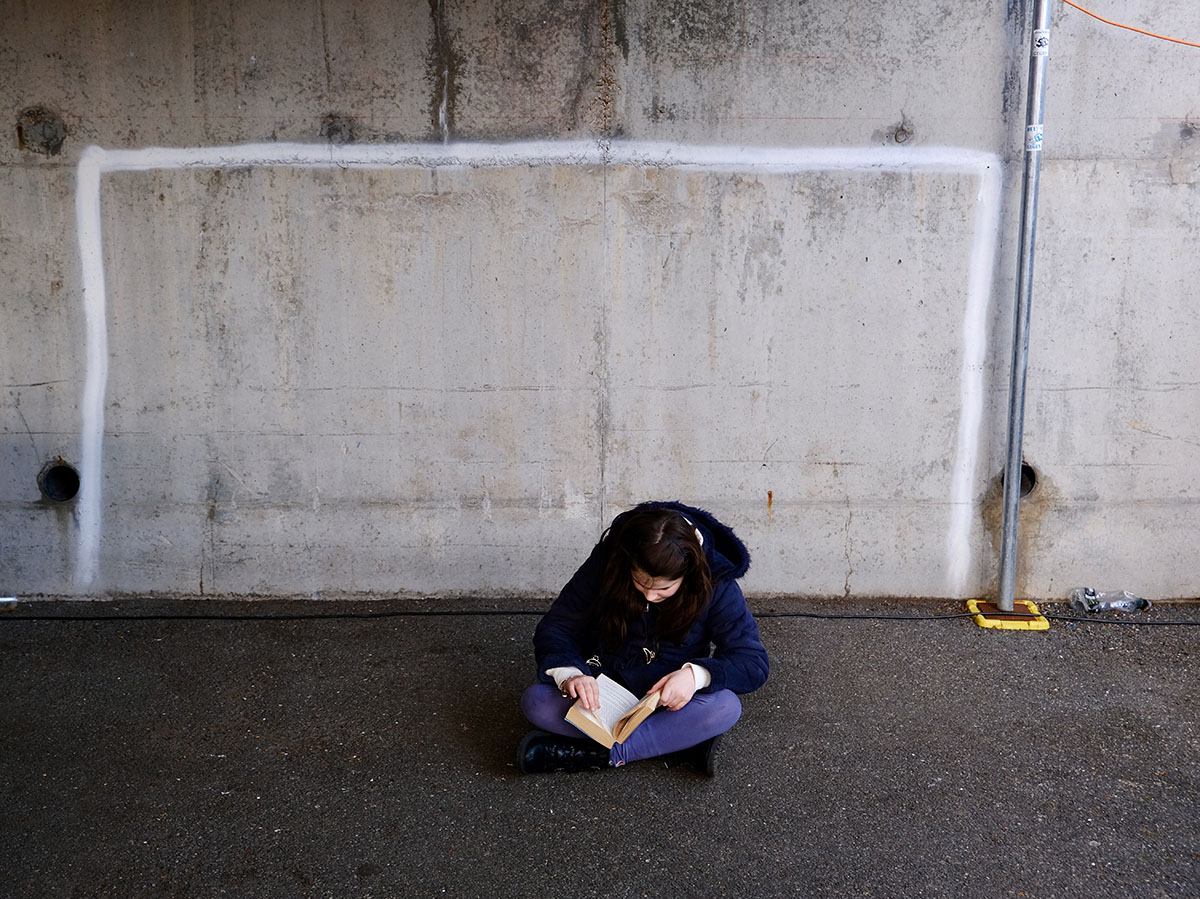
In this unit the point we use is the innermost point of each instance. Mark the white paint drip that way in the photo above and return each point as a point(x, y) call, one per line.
point(443, 118)
point(95, 162)
point(444, 106)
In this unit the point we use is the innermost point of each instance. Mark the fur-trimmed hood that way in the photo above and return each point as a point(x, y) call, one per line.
point(724, 639)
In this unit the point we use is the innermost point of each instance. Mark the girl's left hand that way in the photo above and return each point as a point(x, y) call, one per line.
point(678, 688)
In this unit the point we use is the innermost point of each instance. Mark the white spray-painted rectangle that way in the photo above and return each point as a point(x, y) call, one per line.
point(95, 162)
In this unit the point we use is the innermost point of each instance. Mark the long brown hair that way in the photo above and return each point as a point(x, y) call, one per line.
point(662, 544)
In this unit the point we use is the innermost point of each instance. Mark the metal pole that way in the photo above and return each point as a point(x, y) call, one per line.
point(1038, 53)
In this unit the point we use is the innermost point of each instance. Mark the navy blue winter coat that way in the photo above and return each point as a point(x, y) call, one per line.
point(724, 639)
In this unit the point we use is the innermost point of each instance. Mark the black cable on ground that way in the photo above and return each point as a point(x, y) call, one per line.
point(845, 616)
point(1168, 621)
point(872, 617)
point(267, 616)
point(463, 613)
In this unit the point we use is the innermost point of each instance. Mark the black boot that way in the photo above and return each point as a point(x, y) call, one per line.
point(542, 753)
point(702, 756)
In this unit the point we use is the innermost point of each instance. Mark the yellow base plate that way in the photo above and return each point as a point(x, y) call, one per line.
point(1024, 616)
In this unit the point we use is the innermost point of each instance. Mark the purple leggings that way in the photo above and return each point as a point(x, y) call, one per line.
point(706, 715)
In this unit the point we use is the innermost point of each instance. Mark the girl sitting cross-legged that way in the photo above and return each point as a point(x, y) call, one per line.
point(656, 607)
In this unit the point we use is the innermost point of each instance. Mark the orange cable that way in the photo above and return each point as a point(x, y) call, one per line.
point(1161, 37)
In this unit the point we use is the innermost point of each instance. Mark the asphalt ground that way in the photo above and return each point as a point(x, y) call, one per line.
point(253, 751)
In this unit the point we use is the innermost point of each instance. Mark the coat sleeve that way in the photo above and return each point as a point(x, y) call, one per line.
point(567, 634)
point(739, 660)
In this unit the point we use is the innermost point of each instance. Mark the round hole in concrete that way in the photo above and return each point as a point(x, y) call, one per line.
point(58, 481)
point(1029, 479)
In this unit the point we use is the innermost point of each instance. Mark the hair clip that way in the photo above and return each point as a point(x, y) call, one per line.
point(699, 536)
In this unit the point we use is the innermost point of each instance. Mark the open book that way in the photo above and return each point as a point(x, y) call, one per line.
point(619, 714)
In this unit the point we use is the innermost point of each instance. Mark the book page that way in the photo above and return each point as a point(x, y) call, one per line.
point(615, 702)
point(635, 716)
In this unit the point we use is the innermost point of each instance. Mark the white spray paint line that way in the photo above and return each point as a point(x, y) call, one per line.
point(986, 234)
point(95, 162)
point(91, 260)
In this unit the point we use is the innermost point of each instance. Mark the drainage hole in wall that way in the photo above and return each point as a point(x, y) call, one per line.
point(58, 481)
point(1029, 479)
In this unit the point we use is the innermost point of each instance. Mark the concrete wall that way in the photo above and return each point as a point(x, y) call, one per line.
point(756, 256)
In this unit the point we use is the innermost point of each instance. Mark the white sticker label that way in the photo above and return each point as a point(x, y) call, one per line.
point(1033, 138)
point(1041, 42)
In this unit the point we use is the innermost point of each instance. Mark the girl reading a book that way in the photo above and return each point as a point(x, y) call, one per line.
point(657, 608)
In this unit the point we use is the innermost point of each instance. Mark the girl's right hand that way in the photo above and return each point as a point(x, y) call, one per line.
point(584, 688)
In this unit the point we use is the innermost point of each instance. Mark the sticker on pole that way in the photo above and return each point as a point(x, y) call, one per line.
point(1041, 42)
point(1033, 138)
